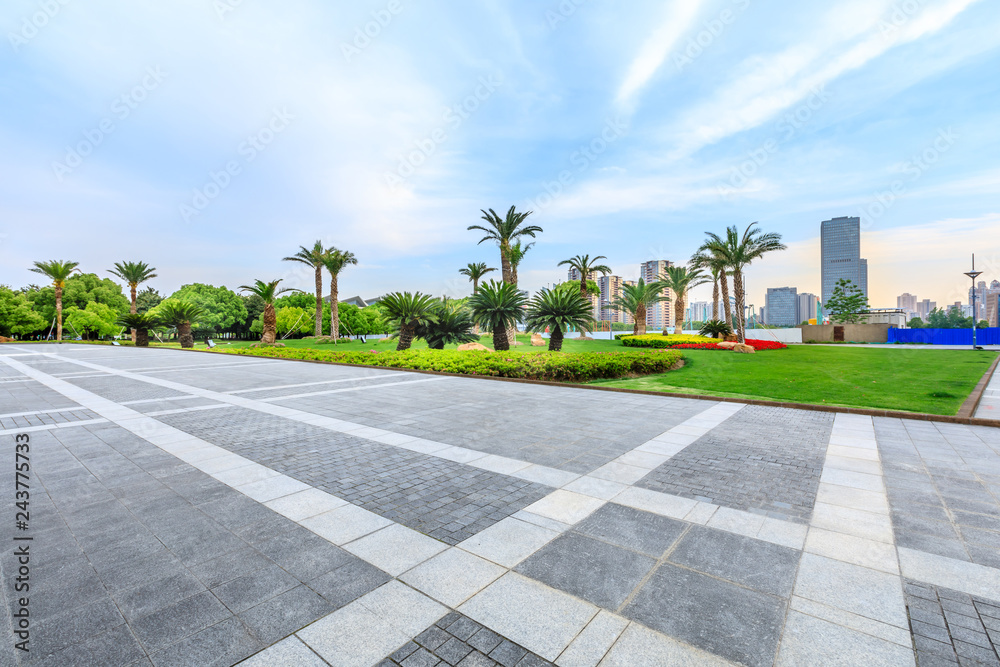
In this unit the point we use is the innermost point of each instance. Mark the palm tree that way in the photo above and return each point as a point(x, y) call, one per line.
point(680, 279)
point(635, 299)
point(179, 314)
point(584, 265)
point(475, 271)
point(58, 271)
point(313, 257)
point(703, 260)
point(712, 256)
point(517, 253)
point(498, 307)
point(558, 310)
point(268, 292)
point(140, 324)
point(408, 312)
point(452, 325)
point(133, 273)
point(716, 329)
point(505, 231)
point(739, 251)
point(335, 260)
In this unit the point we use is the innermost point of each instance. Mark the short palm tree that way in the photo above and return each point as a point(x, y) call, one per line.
point(313, 258)
point(716, 329)
point(504, 232)
point(558, 310)
point(268, 292)
point(182, 315)
point(517, 253)
point(453, 324)
point(335, 261)
point(680, 279)
point(475, 271)
point(140, 324)
point(133, 273)
point(738, 251)
point(498, 307)
point(58, 271)
point(636, 299)
point(408, 312)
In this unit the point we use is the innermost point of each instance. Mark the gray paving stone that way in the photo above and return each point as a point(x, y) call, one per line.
point(225, 643)
point(251, 590)
point(348, 582)
point(456, 640)
point(172, 624)
point(647, 533)
point(284, 614)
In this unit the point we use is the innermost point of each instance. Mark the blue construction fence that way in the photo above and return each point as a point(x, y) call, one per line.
point(989, 336)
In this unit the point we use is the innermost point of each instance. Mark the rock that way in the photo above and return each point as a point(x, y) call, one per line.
point(731, 338)
point(745, 349)
point(473, 346)
point(727, 345)
point(268, 345)
point(537, 340)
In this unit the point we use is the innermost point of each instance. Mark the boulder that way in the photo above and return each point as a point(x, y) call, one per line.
point(731, 338)
point(537, 340)
point(727, 345)
point(745, 349)
point(473, 346)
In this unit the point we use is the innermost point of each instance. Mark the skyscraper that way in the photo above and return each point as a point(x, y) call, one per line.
point(781, 305)
point(611, 288)
point(840, 255)
point(659, 315)
point(807, 307)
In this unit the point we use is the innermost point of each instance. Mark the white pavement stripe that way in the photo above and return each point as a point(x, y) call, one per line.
point(49, 427)
point(310, 384)
point(950, 573)
point(339, 391)
point(197, 408)
point(41, 412)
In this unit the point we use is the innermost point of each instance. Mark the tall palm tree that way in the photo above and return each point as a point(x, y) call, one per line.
point(335, 260)
point(475, 271)
point(504, 232)
point(313, 258)
point(179, 314)
point(58, 271)
point(712, 255)
point(409, 312)
point(739, 252)
point(703, 260)
point(517, 253)
point(498, 307)
point(636, 299)
point(133, 273)
point(680, 279)
point(268, 292)
point(584, 265)
point(558, 310)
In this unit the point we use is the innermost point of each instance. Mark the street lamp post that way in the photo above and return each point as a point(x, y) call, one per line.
point(973, 274)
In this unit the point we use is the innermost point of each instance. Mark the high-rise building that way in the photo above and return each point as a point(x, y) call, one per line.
point(840, 255)
point(595, 299)
point(807, 307)
point(781, 306)
point(611, 289)
point(659, 315)
point(907, 302)
point(699, 311)
point(924, 308)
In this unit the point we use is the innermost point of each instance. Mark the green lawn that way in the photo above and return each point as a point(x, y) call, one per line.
point(932, 381)
point(418, 344)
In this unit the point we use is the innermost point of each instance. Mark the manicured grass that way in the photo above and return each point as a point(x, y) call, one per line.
point(916, 380)
point(569, 345)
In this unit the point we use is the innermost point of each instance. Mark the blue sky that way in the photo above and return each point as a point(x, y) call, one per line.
point(210, 138)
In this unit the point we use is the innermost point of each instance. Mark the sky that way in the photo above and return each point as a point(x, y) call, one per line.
point(212, 138)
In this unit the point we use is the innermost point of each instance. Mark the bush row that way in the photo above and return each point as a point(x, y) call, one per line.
point(559, 366)
point(661, 341)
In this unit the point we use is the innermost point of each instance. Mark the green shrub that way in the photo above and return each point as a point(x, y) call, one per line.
point(660, 341)
point(560, 366)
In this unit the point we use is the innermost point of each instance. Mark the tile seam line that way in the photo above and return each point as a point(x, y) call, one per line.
point(868, 412)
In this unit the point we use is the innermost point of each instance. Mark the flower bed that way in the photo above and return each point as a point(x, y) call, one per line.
point(561, 366)
point(703, 343)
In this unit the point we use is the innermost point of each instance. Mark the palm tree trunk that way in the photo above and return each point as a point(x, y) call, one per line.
point(741, 323)
point(475, 288)
point(133, 310)
point(59, 293)
point(726, 306)
point(715, 298)
point(405, 337)
point(334, 309)
point(556, 340)
point(319, 301)
point(640, 320)
point(679, 314)
point(184, 334)
point(270, 325)
point(507, 269)
point(500, 340)
point(141, 337)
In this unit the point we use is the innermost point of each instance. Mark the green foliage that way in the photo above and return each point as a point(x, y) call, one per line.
point(407, 313)
point(356, 321)
point(16, 314)
point(147, 299)
point(716, 329)
point(222, 307)
point(268, 292)
point(660, 341)
point(78, 291)
point(56, 270)
point(452, 324)
point(475, 271)
point(557, 366)
point(133, 273)
point(558, 311)
point(294, 319)
point(497, 307)
point(137, 321)
point(97, 319)
point(847, 303)
point(953, 319)
point(174, 312)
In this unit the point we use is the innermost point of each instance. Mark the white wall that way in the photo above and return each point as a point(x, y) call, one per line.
point(780, 335)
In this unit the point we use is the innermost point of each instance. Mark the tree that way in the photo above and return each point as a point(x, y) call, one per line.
point(453, 324)
point(716, 329)
point(254, 307)
point(505, 231)
point(517, 253)
point(498, 307)
point(847, 303)
point(407, 312)
point(58, 271)
point(140, 323)
point(97, 319)
point(146, 300)
point(268, 292)
point(313, 258)
point(16, 315)
point(134, 274)
point(736, 252)
point(335, 261)
point(292, 319)
point(475, 271)
point(585, 266)
point(636, 299)
point(222, 308)
point(558, 311)
point(179, 314)
point(704, 259)
point(680, 279)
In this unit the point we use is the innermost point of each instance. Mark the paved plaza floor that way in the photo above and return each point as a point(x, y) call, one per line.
point(195, 509)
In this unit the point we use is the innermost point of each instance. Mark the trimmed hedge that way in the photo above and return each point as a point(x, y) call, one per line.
point(559, 366)
point(660, 341)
